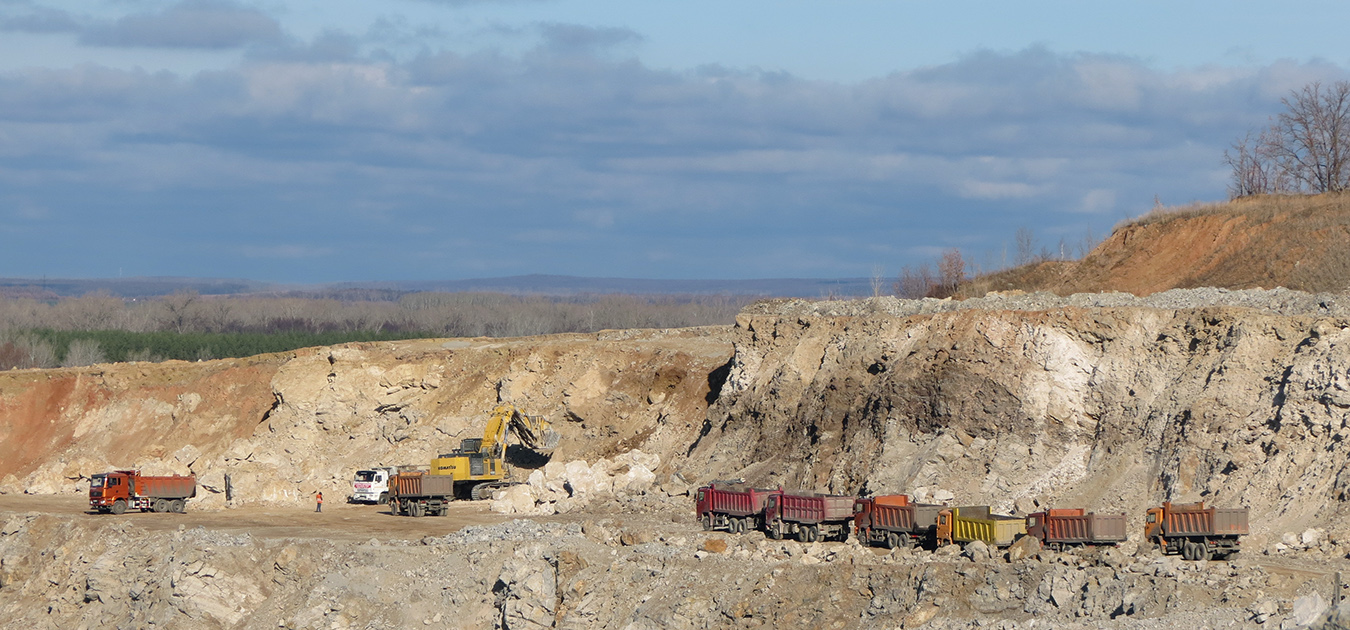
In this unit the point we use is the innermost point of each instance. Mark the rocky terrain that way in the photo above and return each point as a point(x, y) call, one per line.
point(1104, 401)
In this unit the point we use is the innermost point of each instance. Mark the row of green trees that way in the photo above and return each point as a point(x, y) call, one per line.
point(99, 328)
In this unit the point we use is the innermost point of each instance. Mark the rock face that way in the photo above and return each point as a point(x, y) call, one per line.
point(1110, 408)
point(284, 426)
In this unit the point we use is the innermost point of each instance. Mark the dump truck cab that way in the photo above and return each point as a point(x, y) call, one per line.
point(1153, 522)
point(106, 488)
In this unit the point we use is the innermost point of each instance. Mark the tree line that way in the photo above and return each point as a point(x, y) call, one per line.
point(98, 328)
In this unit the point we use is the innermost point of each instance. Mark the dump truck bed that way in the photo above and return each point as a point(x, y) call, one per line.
point(799, 508)
point(894, 516)
point(422, 485)
point(977, 523)
point(734, 501)
point(1188, 521)
point(176, 487)
point(1063, 526)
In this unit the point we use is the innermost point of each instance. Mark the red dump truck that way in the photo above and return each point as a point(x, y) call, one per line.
point(123, 490)
point(1076, 527)
point(893, 521)
point(1195, 531)
point(733, 507)
point(809, 516)
point(421, 494)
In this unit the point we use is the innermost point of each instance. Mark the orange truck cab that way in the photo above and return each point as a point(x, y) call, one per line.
point(120, 490)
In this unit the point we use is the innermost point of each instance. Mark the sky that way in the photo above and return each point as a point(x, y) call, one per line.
point(315, 141)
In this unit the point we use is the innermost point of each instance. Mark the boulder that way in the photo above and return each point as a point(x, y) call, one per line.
point(514, 500)
point(1024, 547)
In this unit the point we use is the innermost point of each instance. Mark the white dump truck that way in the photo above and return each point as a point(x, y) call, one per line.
point(372, 485)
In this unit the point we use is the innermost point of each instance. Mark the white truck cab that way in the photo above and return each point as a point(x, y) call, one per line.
point(371, 485)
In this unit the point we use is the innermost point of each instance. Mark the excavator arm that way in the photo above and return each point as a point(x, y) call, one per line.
point(533, 432)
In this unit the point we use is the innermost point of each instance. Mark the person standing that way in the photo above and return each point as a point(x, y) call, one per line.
point(318, 501)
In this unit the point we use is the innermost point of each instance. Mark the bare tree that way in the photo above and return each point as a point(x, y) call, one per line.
point(83, 352)
point(878, 279)
point(1026, 246)
point(1314, 136)
point(180, 310)
point(1257, 170)
point(951, 271)
point(915, 282)
point(1307, 147)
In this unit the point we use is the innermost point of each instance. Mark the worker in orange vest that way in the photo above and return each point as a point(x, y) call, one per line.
point(318, 497)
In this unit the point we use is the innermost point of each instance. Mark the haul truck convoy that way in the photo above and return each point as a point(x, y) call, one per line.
point(121, 490)
point(473, 470)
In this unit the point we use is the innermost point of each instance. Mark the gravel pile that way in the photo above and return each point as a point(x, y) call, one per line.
point(517, 530)
point(1279, 301)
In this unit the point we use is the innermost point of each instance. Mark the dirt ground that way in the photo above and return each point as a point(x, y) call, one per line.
point(338, 521)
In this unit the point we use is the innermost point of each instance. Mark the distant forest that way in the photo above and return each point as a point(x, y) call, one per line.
point(100, 327)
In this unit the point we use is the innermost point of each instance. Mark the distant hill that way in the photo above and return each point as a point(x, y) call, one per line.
point(546, 285)
point(1296, 242)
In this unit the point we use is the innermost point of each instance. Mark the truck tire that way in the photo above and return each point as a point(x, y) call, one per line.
point(813, 533)
point(775, 530)
point(417, 509)
point(707, 521)
point(384, 498)
point(161, 505)
point(178, 506)
point(892, 540)
point(119, 507)
point(802, 534)
point(1202, 551)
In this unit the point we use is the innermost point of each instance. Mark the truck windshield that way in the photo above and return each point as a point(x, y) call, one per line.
point(365, 475)
point(96, 481)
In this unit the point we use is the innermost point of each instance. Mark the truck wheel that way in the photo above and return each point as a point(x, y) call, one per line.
point(1202, 551)
point(706, 519)
point(119, 507)
point(161, 505)
point(418, 510)
point(178, 506)
point(775, 530)
point(892, 540)
point(384, 498)
point(813, 531)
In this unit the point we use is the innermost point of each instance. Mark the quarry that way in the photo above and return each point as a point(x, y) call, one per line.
point(1018, 401)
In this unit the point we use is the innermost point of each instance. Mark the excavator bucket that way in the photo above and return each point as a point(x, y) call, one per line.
point(549, 440)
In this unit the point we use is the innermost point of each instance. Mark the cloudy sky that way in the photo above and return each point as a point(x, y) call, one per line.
point(341, 140)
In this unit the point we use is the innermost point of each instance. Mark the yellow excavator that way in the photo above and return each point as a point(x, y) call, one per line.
point(478, 466)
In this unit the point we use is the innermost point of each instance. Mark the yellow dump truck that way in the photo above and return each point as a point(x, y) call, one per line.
point(976, 522)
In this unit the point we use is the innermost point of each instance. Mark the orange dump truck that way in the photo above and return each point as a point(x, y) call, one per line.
point(893, 521)
point(421, 494)
point(123, 490)
point(1076, 527)
point(1195, 531)
point(809, 516)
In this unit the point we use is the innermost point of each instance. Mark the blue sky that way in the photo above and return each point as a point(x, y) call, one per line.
point(332, 140)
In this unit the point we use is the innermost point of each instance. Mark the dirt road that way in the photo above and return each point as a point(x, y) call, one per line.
point(338, 521)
